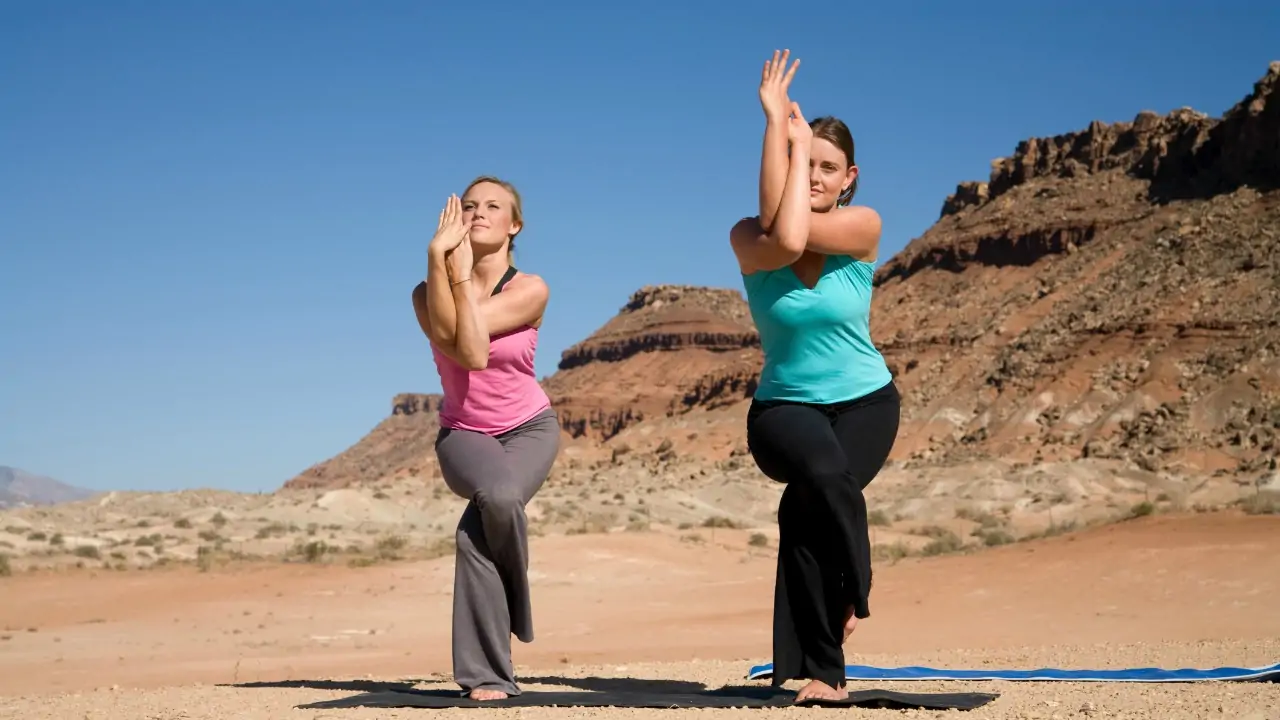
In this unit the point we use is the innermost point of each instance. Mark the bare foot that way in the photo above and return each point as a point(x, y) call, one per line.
point(486, 694)
point(820, 690)
point(850, 622)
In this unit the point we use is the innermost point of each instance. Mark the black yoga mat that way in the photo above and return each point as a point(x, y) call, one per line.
point(734, 697)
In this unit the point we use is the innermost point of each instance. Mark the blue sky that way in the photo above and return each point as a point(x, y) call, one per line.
point(212, 214)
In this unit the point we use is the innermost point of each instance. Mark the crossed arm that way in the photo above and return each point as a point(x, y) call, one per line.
point(460, 324)
point(780, 234)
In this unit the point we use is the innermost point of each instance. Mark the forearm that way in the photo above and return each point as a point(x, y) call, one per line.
point(440, 303)
point(817, 245)
point(791, 230)
point(773, 170)
point(472, 341)
point(852, 231)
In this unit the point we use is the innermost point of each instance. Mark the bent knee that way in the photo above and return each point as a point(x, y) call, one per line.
point(827, 481)
point(498, 502)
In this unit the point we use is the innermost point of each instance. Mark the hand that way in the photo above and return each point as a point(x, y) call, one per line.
point(450, 231)
point(458, 261)
point(774, 85)
point(798, 130)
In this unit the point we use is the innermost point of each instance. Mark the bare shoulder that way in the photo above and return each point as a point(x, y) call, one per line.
point(861, 214)
point(529, 283)
point(531, 292)
point(854, 229)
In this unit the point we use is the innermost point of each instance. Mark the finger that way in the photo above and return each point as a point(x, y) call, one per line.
point(786, 80)
point(773, 64)
point(795, 108)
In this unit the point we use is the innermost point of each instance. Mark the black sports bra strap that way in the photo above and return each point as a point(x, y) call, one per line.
point(506, 278)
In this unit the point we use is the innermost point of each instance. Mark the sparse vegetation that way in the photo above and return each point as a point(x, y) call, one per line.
point(995, 536)
point(1264, 502)
point(87, 551)
point(390, 546)
point(942, 543)
point(1141, 509)
point(891, 552)
point(878, 518)
point(636, 495)
point(721, 522)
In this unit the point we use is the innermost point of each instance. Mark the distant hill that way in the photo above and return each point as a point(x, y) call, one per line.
point(19, 488)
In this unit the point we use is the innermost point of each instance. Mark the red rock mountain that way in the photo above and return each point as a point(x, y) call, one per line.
point(1110, 292)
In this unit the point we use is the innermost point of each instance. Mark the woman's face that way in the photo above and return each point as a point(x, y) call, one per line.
point(830, 174)
point(489, 209)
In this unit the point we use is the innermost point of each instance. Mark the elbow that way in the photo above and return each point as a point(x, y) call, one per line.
point(787, 240)
point(439, 337)
point(473, 359)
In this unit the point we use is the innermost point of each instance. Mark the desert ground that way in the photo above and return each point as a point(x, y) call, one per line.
point(1170, 590)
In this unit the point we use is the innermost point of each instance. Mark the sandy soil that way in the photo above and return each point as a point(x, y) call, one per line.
point(1166, 591)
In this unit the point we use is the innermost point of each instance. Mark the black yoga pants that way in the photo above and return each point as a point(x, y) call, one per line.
point(826, 455)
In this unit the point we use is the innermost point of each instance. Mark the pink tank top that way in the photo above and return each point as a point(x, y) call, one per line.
point(503, 395)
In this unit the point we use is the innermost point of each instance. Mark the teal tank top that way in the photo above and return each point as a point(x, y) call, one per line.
point(817, 342)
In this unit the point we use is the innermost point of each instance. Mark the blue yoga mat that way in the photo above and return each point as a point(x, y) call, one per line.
point(1270, 673)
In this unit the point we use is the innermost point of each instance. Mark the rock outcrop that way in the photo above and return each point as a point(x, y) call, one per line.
point(1108, 293)
point(669, 349)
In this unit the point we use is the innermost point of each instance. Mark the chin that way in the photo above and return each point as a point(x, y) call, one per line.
point(486, 245)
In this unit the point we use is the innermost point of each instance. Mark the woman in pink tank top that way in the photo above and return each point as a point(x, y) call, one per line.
point(498, 433)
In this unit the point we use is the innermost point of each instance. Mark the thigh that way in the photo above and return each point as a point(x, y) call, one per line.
point(866, 433)
point(790, 442)
point(530, 450)
point(470, 461)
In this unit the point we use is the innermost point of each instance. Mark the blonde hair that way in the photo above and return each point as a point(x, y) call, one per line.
point(517, 213)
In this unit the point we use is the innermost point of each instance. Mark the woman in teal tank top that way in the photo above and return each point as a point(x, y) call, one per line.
point(825, 413)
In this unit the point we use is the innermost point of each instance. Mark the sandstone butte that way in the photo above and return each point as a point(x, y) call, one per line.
point(1106, 295)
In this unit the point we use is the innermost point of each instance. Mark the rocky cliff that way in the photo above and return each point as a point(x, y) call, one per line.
point(1107, 294)
point(669, 349)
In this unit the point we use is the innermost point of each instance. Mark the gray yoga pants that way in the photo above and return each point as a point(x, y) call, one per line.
point(499, 475)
